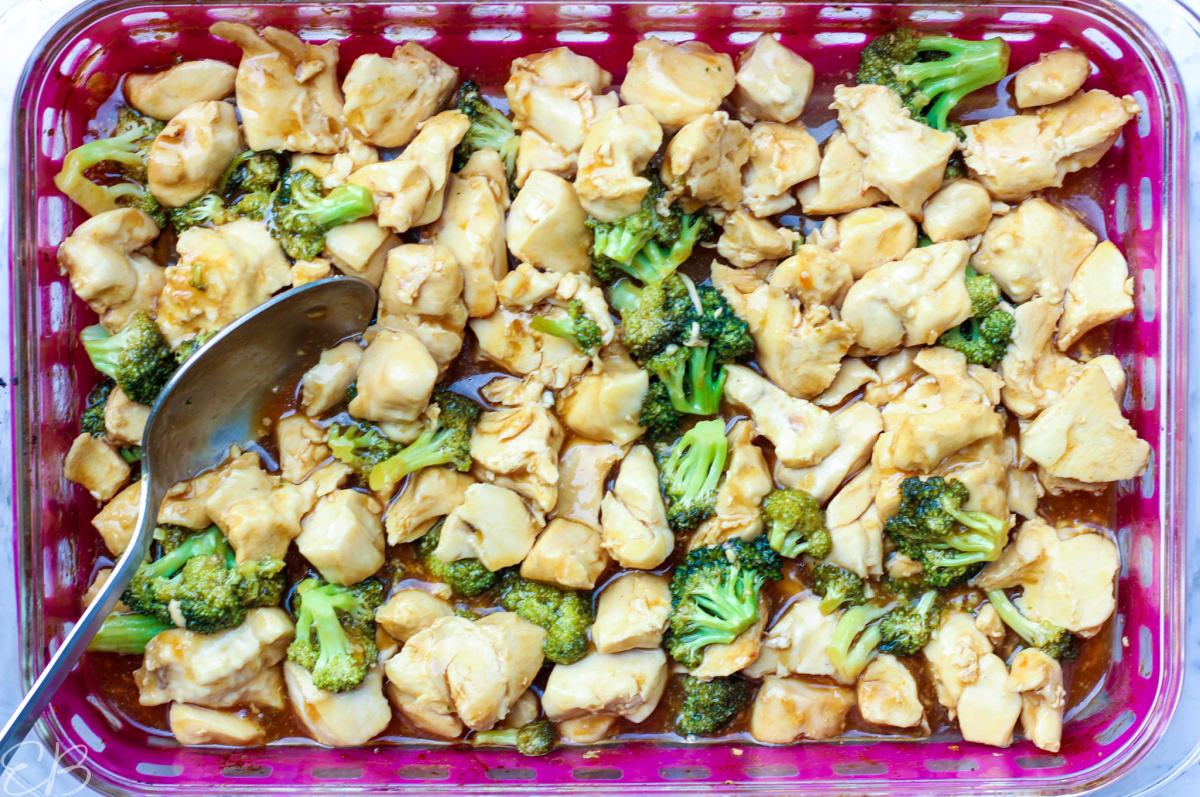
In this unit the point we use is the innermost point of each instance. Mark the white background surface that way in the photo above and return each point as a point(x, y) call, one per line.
point(1169, 769)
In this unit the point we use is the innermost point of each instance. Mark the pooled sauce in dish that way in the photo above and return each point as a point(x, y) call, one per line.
point(111, 676)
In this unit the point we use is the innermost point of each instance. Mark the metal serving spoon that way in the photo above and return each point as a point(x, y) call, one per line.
point(214, 401)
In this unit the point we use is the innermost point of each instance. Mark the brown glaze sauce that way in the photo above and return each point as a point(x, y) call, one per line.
point(111, 676)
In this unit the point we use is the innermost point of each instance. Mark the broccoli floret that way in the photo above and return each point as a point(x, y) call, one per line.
point(250, 173)
point(693, 378)
point(689, 475)
point(714, 596)
point(125, 154)
point(576, 327)
point(565, 614)
point(1055, 640)
point(362, 447)
point(657, 260)
point(617, 242)
point(197, 578)
point(447, 442)
point(466, 577)
point(985, 336)
point(203, 211)
point(850, 657)
point(707, 705)
point(301, 214)
point(796, 524)
point(193, 345)
point(726, 333)
point(92, 421)
point(533, 738)
point(335, 632)
point(653, 317)
point(489, 129)
point(138, 357)
point(837, 587)
point(931, 528)
point(932, 73)
point(659, 417)
point(127, 634)
point(906, 629)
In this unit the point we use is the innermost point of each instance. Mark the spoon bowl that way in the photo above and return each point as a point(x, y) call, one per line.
point(214, 401)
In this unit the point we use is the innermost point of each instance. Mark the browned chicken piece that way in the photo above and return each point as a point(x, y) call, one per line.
point(536, 154)
point(567, 554)
point(678, 83)
point(1034, 250)
point(857, 426)
point(409, 611)
point(545, 226)
point(605, 403)
point(703, 163)
point(339, 719)
point(632, 612)
point(1039, 680)
point(611, 161)
point(957, 211)
point(429, 494)
point(627, 684)
point(772, 83)
point(193, 725)
point(558, 95)
point(801, 432)
point(855, 526)
point(1100, 291)
point(342, 537)
point(471, 227)
point(633, 517)
point(287, 90)
point(492, 525)
point(124, 420)
point(421, 295)
point(867, 238)
point(747, 241)
point(107, 269)
point(796, 643)
point(781, 157)
point(724, 659)
point(787, 709)
point(163, 94)
point(96, 466)
point(387, 98)
point(839, 186)
point(189, 156)
point(583, 469)
point(1053, 77)
point(325, 384)
point(887, 694)
point(117, 521)
point(518, 448)
point(360, 249)
point(395, 380)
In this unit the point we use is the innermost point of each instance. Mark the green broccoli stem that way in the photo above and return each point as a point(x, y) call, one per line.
point(691, 384)
point(733, 610)
point(565, 328)
point(331, 637)
point(972, 65)
point(625, 296)
point(424, 452)
point(208, 543)
point(343, 205)
point(981, 522)
point(850, 657)
point(699, 458)
point(654, 262)
point(1032, 632)
point(497, 737)
point(127, 634)
point(104, 348)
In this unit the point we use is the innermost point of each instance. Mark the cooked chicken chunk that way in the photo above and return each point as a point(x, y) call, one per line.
point(193, 725)
point(605, 404)
point(611, 161)
point(343, 537)
point(545, 226)
point(567, 554)
point(678, 83)
point(472, 228)
point(632, 613)
point(747, 241)
point(796, 643)
point(386, 98)
point(1013, 156)
point(911, 301)
point(923, 440)
point(703, 163)
point(218, 670)
point(400, 189)
point(1053, 77)
point(335, 170)
point(222, 274)
point(189, 156)
point(558, 95)
point(857, 427)
point(518, 448)
point(96, 466)
point(800, 341)
point(588, 729)
point(772, 84)
point(360, 249)
point(1039, 680)
point(339, 719)
point(887, 694)
point(839, 186)
point(867, 238)
point(627, 684)
point(957, 211)
point(429, 494)
point(988, 708)
point(410, 611)
point(287, 91)
point(903, 157)
point(301, 447)
point(492, 525)
point(1068, 580)
point(583, 470)
point(117, 521)
point(102, 261)
point(633, 518)
point(855, 527)
point(954, 655)
point(1035, 373)
point(781, 157)
point(421, 295)
point(853, 374)
point(163, 94)
point(1101, 290)
point(306, 271)
point(787, 709)
point(1034, 250)
point(395, 379)
point(802, 433)
point(507, 339)
point(746, 482)
point(124, 420)
point(324, 385)
point(1084, 436)
point(457, 672)
point(536, 154)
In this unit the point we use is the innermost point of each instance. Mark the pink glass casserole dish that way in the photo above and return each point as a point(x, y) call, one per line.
point(1138, 205)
